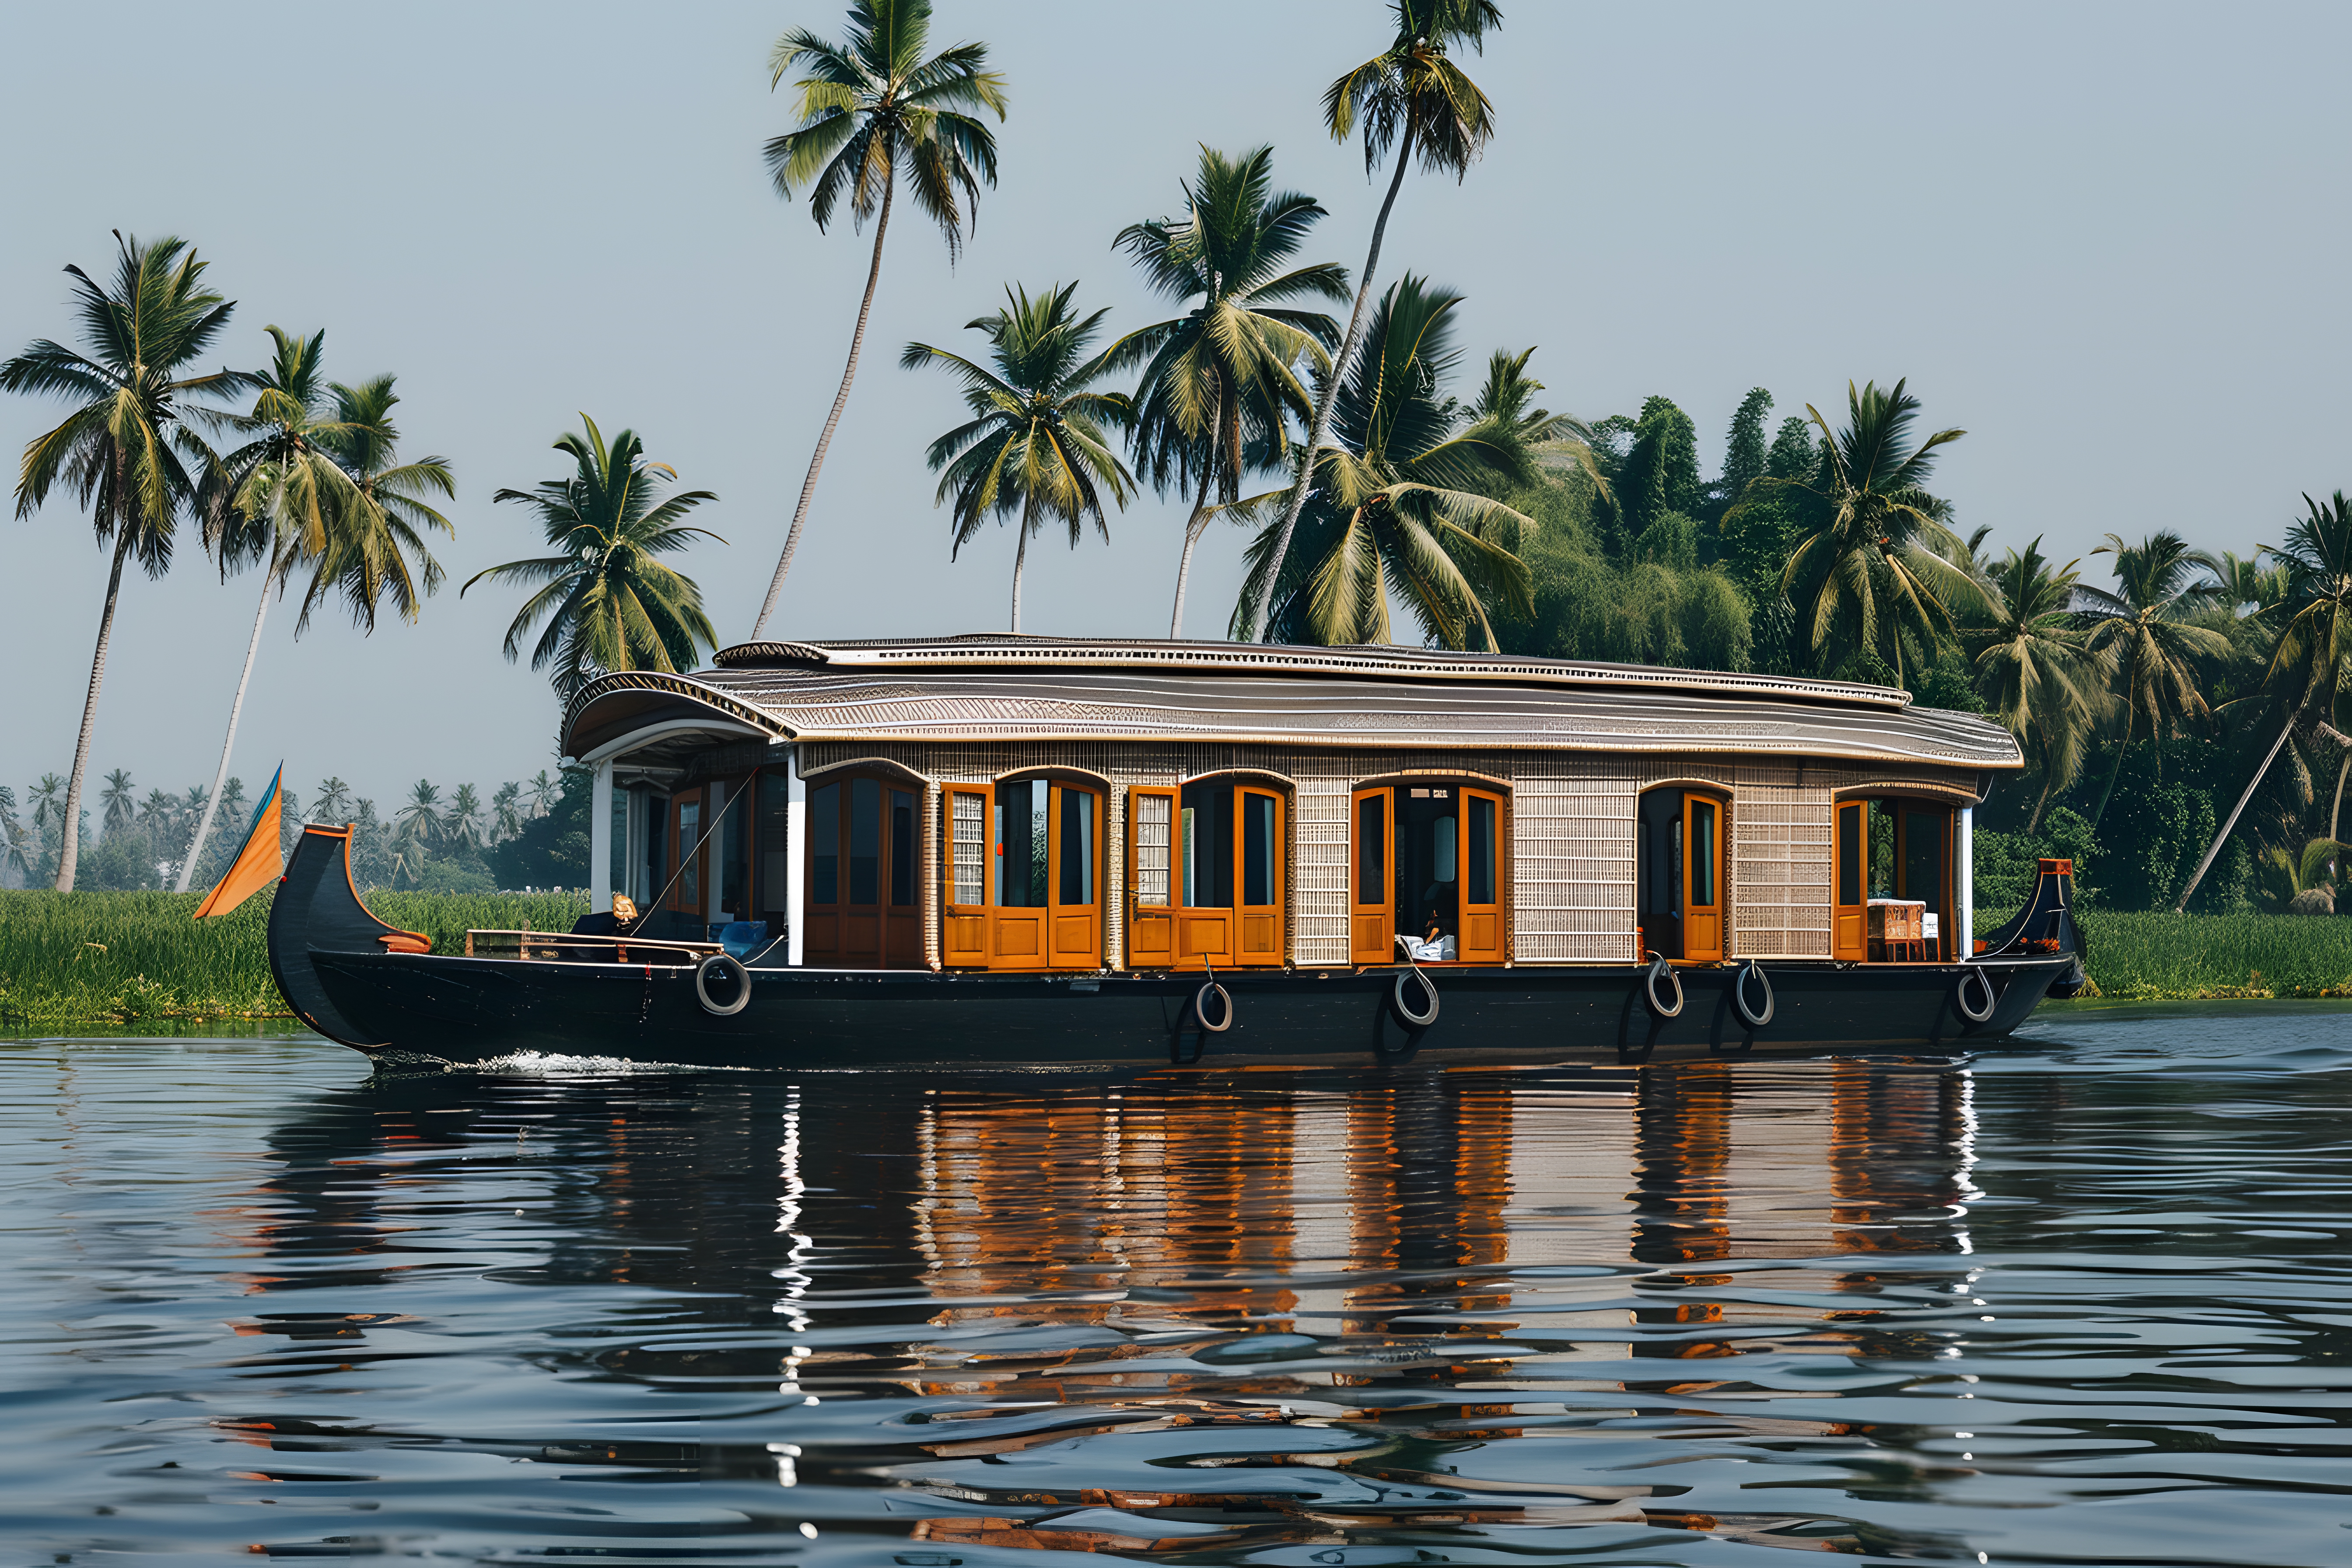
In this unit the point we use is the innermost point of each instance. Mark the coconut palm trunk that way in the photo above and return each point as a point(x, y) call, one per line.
point(1193, 527)
point(70, 845)
point(840, 401)
point(2223, 837)
point(2114, 773)
point(1020, 557)
point(2336, 812)
point(1320, 430)
point(235, 708)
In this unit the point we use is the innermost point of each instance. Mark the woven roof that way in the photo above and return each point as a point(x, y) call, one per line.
point(1046, 689)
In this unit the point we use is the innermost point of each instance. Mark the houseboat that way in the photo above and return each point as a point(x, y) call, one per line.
point(1027, 851)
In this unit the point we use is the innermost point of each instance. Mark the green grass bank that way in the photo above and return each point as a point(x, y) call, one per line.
point(128, 958)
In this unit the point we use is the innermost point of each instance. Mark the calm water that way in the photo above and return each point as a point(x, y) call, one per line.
point(2081, 1301)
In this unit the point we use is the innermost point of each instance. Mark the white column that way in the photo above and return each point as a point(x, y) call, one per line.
point(600, 840)
point(795, 862)
point(1964, 862)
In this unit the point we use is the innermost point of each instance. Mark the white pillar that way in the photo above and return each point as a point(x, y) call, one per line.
point(1964, 863)
point(600, 840)
point(795, 862)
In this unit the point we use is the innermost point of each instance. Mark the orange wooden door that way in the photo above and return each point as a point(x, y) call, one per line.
point(1074, 911)
point(1204, 874)
point(1704, 825)
point(1482, 874)
point(861, 879)
point(1021, 876)
point(963, 891)
point(1151, 877)
point(1371, 910)
point(1258, 876)
point(1850, 884)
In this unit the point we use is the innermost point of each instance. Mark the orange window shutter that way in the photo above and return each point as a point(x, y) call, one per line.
point(1151, 877)
point(1371, 862)
point(964, 893)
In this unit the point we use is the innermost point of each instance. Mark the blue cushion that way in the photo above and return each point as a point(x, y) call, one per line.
point(743, 937)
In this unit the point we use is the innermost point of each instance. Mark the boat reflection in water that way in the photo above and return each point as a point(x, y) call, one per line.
point(1266, 1312)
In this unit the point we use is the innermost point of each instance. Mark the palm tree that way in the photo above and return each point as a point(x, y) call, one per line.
point(15, 844)
point(2308, 669)
point(544, 791)
point(462, 823)
point(372, 564)
point(1036, 438)
point(122, 800)
point(48, 800)
point(869, 106)
point(1218, 381)
point(419, 822)
point(1879, 565)
point(506, 812)
point(2147, 634)
point(2034, 670)
point(1412, 97)
point(1393, 508)
point(332, 801)
point(123, 449)
point(286, 499)
point(607, 603)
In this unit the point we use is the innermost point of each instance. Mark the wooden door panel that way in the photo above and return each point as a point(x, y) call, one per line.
point(1482, 941)
point(903, 941)
point(1846, 938)
point(1369, 936)
point(963, 940)
point(1204, 933)
point(862, 940)
point(1483, 874)
point(1151, 940)
point(1019, 939)
point(1074, 939)
point(1702, 935)
point(1371, 873)
point(1260, 938)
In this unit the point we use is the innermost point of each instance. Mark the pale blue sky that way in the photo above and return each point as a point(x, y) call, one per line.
point(2106, 240)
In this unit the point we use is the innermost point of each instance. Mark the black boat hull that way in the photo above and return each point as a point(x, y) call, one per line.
point(472, 1010)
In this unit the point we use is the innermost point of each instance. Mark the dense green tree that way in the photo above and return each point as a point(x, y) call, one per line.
point(1747, 449)
point(1038, 444)
point(2034, 671)
point(1659, 474)
point(124, 449)
point(1398, 502)
point(1218, 381)
point(1413, 98)
point(608, 604)
point(552, 849)
point(1875, 572)
point(873, 108)
point(2145, 631)
point(2307, 676)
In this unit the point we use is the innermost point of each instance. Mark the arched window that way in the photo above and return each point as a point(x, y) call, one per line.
point(1024, 875)
point(1680, 839)
point(1206, 874)
point(1427, 867)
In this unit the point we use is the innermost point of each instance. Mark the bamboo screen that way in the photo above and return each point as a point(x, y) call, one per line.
point(1571, 844)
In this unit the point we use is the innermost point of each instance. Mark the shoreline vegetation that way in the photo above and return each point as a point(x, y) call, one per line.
point(138, 958)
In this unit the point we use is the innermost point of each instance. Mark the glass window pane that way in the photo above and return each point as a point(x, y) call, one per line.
point(1848, 854)
point(902, 848)
point(1442, 845)
point(1372, 850)
point(1151, 849)
point(1208, 867)
point(1077, 846)
point(971, 850)
point(1021, 844)
point(865, 841)
point(1482, 850)
point(1703, 847)
point(824, 845)
point(1257, 850)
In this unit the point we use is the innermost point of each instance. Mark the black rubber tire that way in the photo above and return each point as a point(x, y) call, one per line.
point(1960, 996)
point(1411, 1019)
point(1224, 1008)
point(743, 976)
point(1658, 969)
point(1740, 995)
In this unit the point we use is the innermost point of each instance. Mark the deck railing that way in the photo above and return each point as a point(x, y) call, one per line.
point(552, 945)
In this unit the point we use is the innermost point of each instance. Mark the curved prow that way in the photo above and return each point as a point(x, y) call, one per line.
point(319, 910)
point(2045, 926)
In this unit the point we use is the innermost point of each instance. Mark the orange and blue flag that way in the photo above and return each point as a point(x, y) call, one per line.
point(259, 859)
